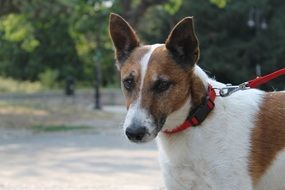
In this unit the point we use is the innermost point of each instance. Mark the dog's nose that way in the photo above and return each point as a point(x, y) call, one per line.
point(135, 133)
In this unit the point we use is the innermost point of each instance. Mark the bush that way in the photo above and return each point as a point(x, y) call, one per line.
point(49, 78)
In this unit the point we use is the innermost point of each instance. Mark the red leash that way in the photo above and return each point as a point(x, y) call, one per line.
point(261, 80)
point(204, 109)
point(229, 89)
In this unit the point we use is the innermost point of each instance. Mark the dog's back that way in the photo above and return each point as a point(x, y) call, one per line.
point(267, 160)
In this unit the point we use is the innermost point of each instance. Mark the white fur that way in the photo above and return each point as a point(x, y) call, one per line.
point(214, 155)
point(177, 117)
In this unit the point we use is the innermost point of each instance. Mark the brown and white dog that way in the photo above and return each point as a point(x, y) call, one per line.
point(241, 143)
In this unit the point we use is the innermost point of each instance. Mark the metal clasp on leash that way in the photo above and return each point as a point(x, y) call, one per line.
point(230, 89)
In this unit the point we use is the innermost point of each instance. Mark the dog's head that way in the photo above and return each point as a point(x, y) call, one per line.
point(157, 80)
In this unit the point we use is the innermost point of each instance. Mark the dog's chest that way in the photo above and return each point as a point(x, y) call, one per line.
point(210, 156)
point(186, 169)
point(193, 175)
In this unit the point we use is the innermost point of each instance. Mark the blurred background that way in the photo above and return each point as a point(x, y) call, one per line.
point(60, 102)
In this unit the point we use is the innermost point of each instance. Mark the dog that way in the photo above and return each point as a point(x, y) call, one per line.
point(239, 142)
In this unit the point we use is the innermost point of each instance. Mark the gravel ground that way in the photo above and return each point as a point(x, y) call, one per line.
point(77, 159)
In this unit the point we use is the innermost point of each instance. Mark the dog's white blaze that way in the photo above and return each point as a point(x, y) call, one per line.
point(144, 64)
point(135, 110)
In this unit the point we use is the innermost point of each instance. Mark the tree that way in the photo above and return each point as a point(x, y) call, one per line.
point(227, 44)
point(68, 36)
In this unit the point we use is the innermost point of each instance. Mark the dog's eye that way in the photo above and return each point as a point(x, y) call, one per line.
point(129, 84)
point(161, 86)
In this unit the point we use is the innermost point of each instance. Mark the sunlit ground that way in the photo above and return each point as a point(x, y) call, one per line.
point(62, 143)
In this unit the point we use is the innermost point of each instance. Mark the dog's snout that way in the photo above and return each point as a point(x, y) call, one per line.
point(136, 133)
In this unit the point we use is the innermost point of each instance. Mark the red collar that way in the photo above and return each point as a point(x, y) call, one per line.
point(199, 114)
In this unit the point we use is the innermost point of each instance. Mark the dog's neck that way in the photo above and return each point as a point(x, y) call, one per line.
point(179, 116)
point(197, 94)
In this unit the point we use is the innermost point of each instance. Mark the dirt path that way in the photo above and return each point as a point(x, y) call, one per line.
point(76, 160)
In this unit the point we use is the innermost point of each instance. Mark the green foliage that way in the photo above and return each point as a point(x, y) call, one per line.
point(173, 6)
point(220, 3)
point(50, 40)
point(49, 78)
point(38, 39)
point(16, 28)
point(229, 48)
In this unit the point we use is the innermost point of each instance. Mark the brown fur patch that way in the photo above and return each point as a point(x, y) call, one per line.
point(268, 137)
point(161, 64)
point(198, 91)
point(132, 67)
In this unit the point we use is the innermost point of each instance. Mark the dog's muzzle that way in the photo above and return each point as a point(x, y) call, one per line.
point(140, 126)
point(136, 133)
point(139, 133)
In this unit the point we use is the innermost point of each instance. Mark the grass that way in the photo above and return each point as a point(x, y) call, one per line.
point(9, 85)
point(55, 115)
point(14, 86)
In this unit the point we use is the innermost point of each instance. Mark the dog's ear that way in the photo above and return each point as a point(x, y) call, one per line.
point(183, 44)
point(123, 36)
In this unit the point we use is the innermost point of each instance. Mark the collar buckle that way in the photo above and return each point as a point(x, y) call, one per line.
point(201, 113)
